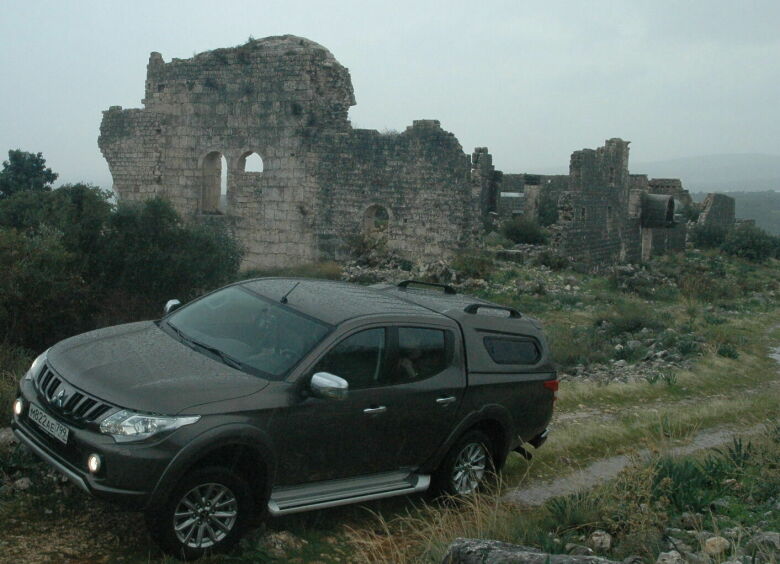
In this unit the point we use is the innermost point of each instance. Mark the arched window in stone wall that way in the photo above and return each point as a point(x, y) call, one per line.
point(375, 219)
point(213, 198)
point(250, 162)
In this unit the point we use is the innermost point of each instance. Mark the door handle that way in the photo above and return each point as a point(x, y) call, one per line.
point(375, 410)
point(445, 401)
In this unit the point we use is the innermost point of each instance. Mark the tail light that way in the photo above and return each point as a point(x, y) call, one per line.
point(553, 386)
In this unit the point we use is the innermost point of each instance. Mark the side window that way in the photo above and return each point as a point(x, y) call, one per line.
point(512, 350)
point(422, 353)
point(357, 359)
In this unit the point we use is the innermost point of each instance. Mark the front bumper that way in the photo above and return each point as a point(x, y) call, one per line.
point(128, 474)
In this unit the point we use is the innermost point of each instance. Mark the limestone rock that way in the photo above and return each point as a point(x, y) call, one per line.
point(578, 549)
point(22, 484)
point(765, 539)
point(279, 543)
point(478, 551)
point(600, 540)
point(7, 438)
point(716, 545)
point(671, 557)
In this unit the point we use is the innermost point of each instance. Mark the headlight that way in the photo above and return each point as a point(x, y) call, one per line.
point(37, 365)
point(127, 426)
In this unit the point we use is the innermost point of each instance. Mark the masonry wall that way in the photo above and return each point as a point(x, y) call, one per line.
point(287, 99)
point(718, 210)
point(595, 224)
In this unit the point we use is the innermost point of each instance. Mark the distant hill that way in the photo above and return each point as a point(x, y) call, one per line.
point(764, 207)
point(718, 173)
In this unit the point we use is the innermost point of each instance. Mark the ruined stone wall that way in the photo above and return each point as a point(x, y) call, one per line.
point(421, 177)
point(595, 224)
point(717, 209)
point(287, 99)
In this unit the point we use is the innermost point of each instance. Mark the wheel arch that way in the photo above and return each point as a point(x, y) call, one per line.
point(493, 420)
point(239, 447)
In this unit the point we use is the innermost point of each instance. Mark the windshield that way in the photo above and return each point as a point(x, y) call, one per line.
point(245, 330)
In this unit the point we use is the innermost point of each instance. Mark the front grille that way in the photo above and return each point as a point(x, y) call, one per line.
point(67, 401)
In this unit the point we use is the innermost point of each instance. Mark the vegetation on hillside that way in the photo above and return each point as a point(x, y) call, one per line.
point(648, 356)
point(73, 261)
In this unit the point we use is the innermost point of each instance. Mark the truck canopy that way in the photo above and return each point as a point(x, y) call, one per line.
point(498, 339)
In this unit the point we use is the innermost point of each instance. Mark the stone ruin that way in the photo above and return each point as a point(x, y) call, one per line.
point(258, 136)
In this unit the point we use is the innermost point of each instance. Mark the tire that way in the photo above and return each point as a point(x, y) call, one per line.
point(468, 466)
point(212, 508)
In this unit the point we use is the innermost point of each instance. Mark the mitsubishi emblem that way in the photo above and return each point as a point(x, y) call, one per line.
point(59, 401)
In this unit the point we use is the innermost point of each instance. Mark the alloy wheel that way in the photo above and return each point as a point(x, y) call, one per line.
point(205, 515)
point(469, 468)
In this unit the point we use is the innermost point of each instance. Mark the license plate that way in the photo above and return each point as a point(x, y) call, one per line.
point(48, 424)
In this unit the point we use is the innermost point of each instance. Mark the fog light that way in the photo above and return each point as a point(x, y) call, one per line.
point(93, 463)
point(18, 406)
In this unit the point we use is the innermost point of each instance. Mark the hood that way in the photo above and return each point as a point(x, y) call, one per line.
point(138, 366)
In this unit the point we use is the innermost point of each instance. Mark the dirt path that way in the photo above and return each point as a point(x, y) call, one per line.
point(608, 468)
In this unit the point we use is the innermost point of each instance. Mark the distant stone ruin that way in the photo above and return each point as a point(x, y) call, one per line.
point(258, 136)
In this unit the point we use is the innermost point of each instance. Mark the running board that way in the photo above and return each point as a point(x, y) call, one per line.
point(333, 493)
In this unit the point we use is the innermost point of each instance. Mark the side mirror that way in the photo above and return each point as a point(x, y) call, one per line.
point(170, 305)
point(328, 386)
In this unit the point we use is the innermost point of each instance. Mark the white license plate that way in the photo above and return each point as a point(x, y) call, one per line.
point(48, 424)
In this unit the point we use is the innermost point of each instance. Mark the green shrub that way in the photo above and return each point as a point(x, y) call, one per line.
point(473, 264)
point(727, 350)
point(72, 262)
point(576, 345)
point(629, 317)
point(707, 236)
point(551, 260)
point(42, 295)
point(522, 230)
point(148, 251)
point(750, 242)
point(324, 270)
point(548, 208)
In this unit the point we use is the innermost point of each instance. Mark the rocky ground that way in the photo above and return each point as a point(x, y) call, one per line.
point(45, 519)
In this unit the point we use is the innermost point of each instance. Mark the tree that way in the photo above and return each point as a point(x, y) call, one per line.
point(25, 171)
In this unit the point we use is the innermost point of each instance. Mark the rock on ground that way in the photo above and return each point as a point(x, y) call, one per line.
point(716, 545)
point(478, 551)
point(671, 557)
point(7, 438)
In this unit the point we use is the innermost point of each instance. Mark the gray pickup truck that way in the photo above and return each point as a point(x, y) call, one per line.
point(281, 395)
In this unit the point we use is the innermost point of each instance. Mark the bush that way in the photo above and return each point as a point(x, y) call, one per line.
point(707, 236)
point(551, 260)
point(72, 262)
point(148, 251)
point(750, 242)
point(42, 295)
point(548, 208)
point(522, 230)
point(629, 317)
point(473, 264)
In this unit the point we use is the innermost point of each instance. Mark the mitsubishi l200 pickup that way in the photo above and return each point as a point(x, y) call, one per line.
point(279, 395)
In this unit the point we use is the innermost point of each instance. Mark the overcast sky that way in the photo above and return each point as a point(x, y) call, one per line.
point(532, 81)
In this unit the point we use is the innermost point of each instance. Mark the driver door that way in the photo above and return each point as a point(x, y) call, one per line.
point(327, 439)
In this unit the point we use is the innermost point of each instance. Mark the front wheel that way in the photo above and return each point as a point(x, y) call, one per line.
point(467, 466)
point(207, 512)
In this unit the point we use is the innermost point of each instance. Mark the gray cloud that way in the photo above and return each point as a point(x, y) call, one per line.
point(532, 81)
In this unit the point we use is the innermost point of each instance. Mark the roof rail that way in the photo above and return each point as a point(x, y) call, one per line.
point(446, 287)
point(474, 309)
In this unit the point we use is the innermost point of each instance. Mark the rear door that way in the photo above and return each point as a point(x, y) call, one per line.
point(425, 383)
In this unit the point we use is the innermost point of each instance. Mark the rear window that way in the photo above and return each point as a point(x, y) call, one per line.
point(422, 353)
point(512, 350)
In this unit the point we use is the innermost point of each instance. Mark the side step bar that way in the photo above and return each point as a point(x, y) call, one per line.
point(321, 495)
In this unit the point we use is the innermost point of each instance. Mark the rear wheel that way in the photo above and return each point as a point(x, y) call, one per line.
point(467, 466)
point(207, 512)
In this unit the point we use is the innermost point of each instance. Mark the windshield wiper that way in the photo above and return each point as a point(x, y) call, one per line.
point(223, 356)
